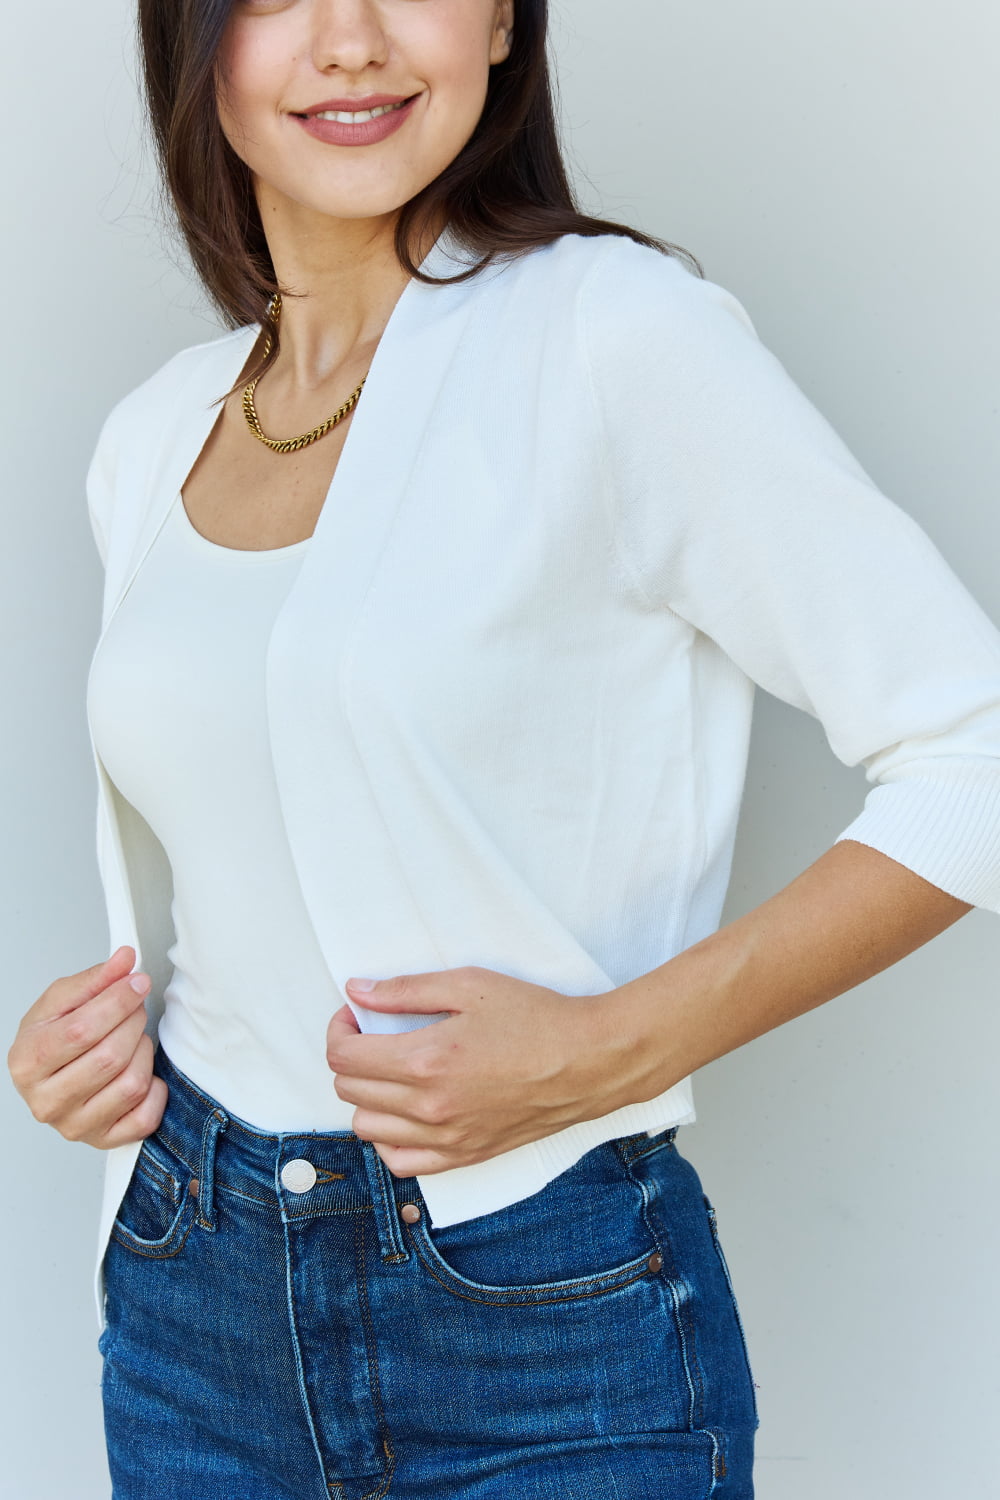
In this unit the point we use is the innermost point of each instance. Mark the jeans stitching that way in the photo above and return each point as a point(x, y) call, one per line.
point(158, 1176)
point(525, 1296)
point(736, 1309)
point(718, 1463)
point(390, 1239)
point(307, 1213)
point(297, 1350)
point(371, 1349)
point(215, 1123)
point(167, 1140)
point(220, 1187)
point(324, 1213)
point(631, 1147)
point(678, 1290)
point(124, 1237)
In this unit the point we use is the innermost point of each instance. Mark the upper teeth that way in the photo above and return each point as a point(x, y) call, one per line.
point(347, 118)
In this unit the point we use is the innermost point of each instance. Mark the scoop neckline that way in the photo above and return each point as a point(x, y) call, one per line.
point(242, 553)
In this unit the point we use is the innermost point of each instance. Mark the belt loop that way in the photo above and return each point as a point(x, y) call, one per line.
point(629, 1147)
point(215, 1124)
point(390, 1233)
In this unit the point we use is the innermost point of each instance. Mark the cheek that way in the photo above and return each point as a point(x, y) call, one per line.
point(252, 71)
point(456, 66)
point(447, 42)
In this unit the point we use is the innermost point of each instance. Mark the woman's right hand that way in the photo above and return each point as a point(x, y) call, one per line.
point(82, 1060)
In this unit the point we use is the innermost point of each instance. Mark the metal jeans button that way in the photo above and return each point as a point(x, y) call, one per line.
point(298, 1176)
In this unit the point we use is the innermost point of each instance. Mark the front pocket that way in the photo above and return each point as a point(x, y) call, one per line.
point(436, 1266)
point(583, 1234)
point(157, 1212)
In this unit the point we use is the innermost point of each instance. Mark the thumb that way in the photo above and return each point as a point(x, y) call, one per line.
point(343, 1023)
point(339, 1028)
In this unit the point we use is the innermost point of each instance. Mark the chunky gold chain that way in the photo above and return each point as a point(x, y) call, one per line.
point(291, 445)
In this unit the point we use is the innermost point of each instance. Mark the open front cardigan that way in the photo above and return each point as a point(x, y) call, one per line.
point(581, 510)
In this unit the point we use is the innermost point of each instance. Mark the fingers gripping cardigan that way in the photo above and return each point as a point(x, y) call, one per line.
point(581, 510)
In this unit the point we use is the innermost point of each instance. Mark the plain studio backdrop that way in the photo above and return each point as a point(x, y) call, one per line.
point(834, 165)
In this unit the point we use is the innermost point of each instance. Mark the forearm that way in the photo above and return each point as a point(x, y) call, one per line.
point(851, 914)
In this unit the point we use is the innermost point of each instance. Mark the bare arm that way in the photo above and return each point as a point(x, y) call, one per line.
point(851, 914)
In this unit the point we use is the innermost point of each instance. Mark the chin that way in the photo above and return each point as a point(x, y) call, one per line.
point(346, 200)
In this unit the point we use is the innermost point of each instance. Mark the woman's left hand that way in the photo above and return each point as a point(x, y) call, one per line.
point(510, 1063)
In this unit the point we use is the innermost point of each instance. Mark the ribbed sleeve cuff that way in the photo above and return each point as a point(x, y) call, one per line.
point(942, 822)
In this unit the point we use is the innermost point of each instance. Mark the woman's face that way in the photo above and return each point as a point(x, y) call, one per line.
point(284, 62)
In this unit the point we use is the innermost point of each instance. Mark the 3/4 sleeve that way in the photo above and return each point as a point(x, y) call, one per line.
point(737, 506)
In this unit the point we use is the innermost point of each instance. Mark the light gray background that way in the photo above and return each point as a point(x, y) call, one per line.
point(835, 166)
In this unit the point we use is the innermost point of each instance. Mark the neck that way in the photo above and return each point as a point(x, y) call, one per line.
point(348, 279)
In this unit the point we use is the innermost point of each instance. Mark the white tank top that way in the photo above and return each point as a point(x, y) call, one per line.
point(177, 701)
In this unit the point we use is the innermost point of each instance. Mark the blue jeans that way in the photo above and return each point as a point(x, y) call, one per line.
point(285, 1323)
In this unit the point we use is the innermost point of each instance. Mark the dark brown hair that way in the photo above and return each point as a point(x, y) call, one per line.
point(505, 193)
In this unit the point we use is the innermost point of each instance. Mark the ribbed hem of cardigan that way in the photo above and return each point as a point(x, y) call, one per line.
point(941, 823)
point(466, 1192)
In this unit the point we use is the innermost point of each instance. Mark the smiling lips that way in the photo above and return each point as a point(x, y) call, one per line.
point(356, 122)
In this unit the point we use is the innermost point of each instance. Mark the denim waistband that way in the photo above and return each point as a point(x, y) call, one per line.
point(300, 1173)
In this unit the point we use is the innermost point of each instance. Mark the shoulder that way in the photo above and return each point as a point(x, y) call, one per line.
point(626, 301)
point(636, 296)
point(199, 373)
point(206, 363)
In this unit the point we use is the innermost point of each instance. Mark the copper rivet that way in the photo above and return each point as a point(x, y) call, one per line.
point(655, 1262)
point(193, 1187)
point(409, 1213)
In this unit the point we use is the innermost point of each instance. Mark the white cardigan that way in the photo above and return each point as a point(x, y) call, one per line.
point(580, 511)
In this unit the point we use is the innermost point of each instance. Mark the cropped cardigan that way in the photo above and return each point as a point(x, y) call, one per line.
point(580, 512)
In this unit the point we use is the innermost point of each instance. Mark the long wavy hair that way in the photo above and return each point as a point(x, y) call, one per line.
point(507, 191)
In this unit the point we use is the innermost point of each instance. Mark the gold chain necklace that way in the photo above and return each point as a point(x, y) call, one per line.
point(291, 445)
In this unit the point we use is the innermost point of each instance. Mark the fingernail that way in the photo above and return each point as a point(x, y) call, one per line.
point(363, 985)
point(140, 983)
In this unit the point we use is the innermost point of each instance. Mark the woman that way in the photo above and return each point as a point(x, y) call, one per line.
point(425, 681)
